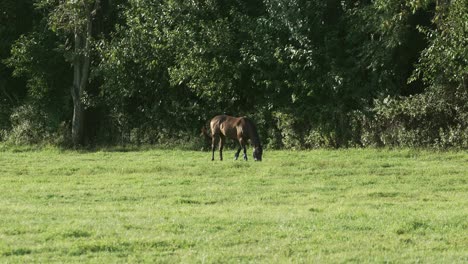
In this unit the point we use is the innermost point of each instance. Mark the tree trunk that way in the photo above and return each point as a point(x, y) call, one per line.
point(77, 123)
point(77, 92)
point(81, 68)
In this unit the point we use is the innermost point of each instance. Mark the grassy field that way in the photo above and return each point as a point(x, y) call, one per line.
point(323, 206)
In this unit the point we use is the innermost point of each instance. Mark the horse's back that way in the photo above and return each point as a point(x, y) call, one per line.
point(217, 120)
point(229, 126)
point(225, 119)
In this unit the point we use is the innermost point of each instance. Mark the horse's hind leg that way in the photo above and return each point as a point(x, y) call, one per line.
point(221, 145)
point(236, 156)
point(213, 145)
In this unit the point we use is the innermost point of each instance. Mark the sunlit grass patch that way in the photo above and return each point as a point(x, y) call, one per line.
point(178, 206)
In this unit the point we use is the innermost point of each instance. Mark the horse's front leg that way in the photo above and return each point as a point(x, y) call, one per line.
point(245, 153)
point(242, 146)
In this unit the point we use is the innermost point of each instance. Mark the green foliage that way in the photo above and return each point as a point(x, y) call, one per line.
point(30, 57)
point(66, 16)
point(37, 113)
point(123, 205)
point(437, 117)
point(310, 73)
point(134, 71)
point(427, 119)
point(444, 63)
point(46, 104)
point(16, 17)
point(288, 137)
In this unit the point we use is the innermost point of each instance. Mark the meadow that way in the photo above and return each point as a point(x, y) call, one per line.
point(172, 206)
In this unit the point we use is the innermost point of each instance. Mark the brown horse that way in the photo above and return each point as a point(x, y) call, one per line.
point(237, 128)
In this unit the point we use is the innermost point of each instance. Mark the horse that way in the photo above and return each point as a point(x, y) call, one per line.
point(238, 128)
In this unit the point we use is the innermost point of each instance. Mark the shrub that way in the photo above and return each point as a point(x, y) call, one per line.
point(431, 119)
point(30, 125)
point(290, 134)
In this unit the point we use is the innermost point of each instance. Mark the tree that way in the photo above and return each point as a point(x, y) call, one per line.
point(74, 20)
point(305, 70)
point(16, 18)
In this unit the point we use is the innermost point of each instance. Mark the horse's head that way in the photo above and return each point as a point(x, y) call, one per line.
point(257, 153)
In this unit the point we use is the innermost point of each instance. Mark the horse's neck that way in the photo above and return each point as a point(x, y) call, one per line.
point(254, 138)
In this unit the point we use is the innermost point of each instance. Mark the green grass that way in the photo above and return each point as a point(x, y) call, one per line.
point(177, 206)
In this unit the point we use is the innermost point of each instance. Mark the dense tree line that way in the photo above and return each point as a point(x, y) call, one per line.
point(311, 73)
